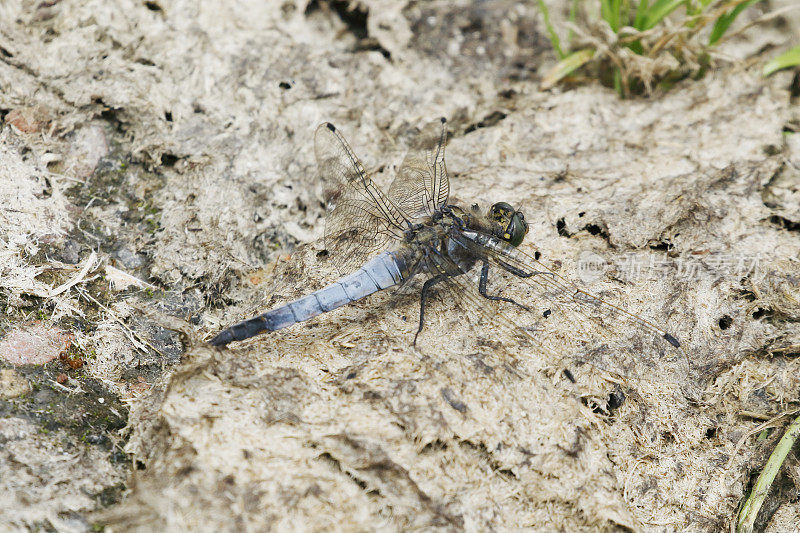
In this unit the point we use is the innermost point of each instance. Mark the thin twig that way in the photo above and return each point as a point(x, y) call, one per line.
point(138, 338)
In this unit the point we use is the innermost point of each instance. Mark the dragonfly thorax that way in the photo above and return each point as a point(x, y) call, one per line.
point(501, 220)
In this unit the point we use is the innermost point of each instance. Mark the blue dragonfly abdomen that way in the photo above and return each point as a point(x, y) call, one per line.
point(382, 272)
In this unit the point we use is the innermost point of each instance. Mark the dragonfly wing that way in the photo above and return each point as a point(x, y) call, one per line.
point(421, 186)
point(562, 318)
point(362, 220)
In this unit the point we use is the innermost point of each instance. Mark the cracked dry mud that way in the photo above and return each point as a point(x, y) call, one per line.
point(175, 142)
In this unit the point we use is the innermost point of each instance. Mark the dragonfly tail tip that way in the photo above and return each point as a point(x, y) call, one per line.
point(222, 338)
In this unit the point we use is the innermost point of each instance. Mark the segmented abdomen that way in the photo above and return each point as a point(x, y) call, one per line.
point(379, 273)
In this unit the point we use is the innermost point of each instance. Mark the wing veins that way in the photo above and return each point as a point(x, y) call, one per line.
point(544, 277)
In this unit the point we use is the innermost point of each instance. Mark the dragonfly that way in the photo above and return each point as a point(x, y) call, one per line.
point(380, 240)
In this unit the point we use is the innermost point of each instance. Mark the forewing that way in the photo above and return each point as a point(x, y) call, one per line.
point(564, 319)
point(421, 186)
point(362, 220)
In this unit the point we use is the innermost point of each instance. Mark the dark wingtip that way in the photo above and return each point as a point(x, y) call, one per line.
point(330, 126)
point(672, 340)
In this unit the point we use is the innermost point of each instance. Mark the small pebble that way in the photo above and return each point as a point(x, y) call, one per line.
point(129, 260)
point(71, 252)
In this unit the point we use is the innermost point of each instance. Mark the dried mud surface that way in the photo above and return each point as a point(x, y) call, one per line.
point(158, 183)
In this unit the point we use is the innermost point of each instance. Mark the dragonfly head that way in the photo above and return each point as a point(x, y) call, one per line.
point(512, 223)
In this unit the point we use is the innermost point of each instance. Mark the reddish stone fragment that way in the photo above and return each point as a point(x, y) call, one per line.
point(34, 344)
point(28, 119)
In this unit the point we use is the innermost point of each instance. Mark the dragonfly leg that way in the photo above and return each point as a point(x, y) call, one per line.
point(516, 271)
point(485, 279)
point(423, 295)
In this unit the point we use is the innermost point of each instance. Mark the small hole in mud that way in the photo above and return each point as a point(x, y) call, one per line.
point(284, 85)
point(725, 322)
point(47, 192)
point(758, 313)
point(568, 375)
point(560, 227)
point(596, 408)
point(322, 253)
point(489, 120)
point(537, 254)
point(108, 113)
point(508, 93)
point(785, 223)
point(662, 247)
point(433, 447)
point(5, 53)
point(140, 465)
point(580, 215)
point(616, 399)
point(354, 17)
point(168, 160)
point(168, 116)
point(594, 229)
point(589, 403)
point(711, 433)
point(547, 313)
point(153, 6)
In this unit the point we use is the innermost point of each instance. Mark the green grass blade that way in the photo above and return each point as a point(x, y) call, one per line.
point(610, 11)
point(749, 511)
point(724, 21)
point(695, 8)
point(605, 11)
point(567, 66)
point(641, 15)
point(618, 82)
point(573, 16)
point(659, 10)
point(617, 15)
point(551, 31)
point(788, 59)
